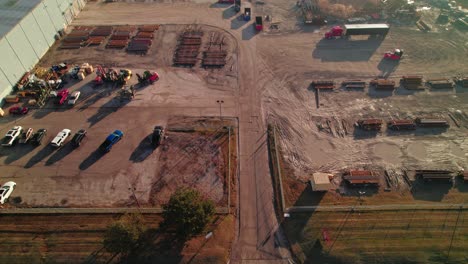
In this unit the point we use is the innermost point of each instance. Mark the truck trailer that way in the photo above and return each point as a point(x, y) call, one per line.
point(358, 29)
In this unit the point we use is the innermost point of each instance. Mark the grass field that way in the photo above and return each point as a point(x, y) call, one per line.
point(437, 236)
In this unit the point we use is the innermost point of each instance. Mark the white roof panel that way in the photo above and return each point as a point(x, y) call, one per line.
point(12, 12)
point(356, 26)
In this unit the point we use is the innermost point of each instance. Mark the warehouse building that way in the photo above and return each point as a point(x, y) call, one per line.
point(28, 28)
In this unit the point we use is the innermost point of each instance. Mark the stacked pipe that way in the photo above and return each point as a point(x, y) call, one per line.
point(214, 58)
point(383, 84)
point(412, 82)
point(75, 40)
point(440, 83)
point(323, 84)
point(354, 84)
point(142, 41)
point(188, 48)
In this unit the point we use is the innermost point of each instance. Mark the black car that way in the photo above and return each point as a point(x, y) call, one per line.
point(36, 139)
point(157, 136)
point(78, 137)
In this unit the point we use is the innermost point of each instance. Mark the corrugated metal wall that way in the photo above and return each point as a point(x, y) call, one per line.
point(26, 43)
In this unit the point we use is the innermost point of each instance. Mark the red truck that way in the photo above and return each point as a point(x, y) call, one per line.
point(258, 23)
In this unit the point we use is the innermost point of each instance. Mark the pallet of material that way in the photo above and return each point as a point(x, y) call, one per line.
point(214, 62)
point(103, 31)
point(185, 61)
point(353, 82)
point(148, 28)
point(188, 47)
point(432, 122)
point(412, 82)
point(402, 124)
point(323, 85)
point(434, 174)
point(440, 84)
point(215, 54)
point(138, 48)
point(186, 41)
point(187, 53)
point(70, 46)
point(383, 84)
point(143, 34)
point(117, 44)
point(78, 33)
point(95, 40)
point(370, 124)
point(147, 42)
point(192, 34)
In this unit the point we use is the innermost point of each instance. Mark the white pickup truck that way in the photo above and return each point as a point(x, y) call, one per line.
point(12, 136)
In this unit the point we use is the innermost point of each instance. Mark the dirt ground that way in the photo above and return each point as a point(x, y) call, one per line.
point(85, 178)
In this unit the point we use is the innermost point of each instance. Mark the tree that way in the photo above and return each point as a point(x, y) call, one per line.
point(121, 236)
point(188, 212)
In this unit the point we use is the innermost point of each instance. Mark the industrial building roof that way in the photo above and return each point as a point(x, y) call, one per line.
point(12, 12)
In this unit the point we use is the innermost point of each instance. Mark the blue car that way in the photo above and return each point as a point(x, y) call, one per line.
point(113, 138)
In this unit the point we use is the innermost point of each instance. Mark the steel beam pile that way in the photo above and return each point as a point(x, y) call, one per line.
point(440, 84)
point(383, 84)
point(143, 40)
point(76, 39)
point(323, 84)
point(412, 82)
point(188, 48)
point(354, 84)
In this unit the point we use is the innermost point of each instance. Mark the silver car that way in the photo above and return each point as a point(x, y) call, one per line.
point(6, 190)
point(60, 138)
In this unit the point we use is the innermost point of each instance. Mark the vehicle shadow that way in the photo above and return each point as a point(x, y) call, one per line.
point(105, 110)
point(90, 100)
point(346, 50)
point(60, 154)
point(42, 154)
point(229, 12)
point(249, 32)
point(387, 67)
point(91, 159)
point(143, 150)
point(17, 153)
point(238, 22)
point(364, 134)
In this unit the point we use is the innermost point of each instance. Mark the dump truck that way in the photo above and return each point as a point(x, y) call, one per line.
point(237, 5)
point(258, 23)
point(247, 13)
point(358, 29)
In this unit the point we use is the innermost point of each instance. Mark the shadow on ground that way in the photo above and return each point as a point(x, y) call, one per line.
point(143, 150)
point(42, 154)
point(91, 159)
point(345, 50)
point(16, 152)
point(107, 109)
point(430, 190)
point(238, 22)
point(60, 154)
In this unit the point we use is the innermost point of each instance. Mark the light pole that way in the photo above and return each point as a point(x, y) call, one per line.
point(220, 102)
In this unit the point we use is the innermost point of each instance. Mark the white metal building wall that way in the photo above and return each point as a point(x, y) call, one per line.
point(30, 39)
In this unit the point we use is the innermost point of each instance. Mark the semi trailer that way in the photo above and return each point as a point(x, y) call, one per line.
point(358, 29)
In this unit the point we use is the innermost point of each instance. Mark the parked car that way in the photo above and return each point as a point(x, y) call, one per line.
point(12, 136)
point(74, 97)
point(60, 138)
point(26, 135)
point(18, 110)
point(62, 96)
point(6, 190)
point(78, 137)
point(157, 136)
point(113, 138)
point(36, 139)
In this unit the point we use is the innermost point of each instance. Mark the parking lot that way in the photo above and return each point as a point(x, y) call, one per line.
point(84, 177)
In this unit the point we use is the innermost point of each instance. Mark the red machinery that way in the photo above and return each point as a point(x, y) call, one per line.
point(258, 23)
point(335, 31)
point(62, 96)
point(99, 80)
point(393, 55)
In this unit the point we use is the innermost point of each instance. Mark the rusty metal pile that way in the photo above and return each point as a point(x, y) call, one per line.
point(215, 56)
point(440, 83)
point(412, 82)
point(383, 84)
point(120, 38)
point(76, 39)
point(187, 49)
point(323, 84)
point(143, 40)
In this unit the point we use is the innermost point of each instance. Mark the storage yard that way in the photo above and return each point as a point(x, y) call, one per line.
point(371, 115)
